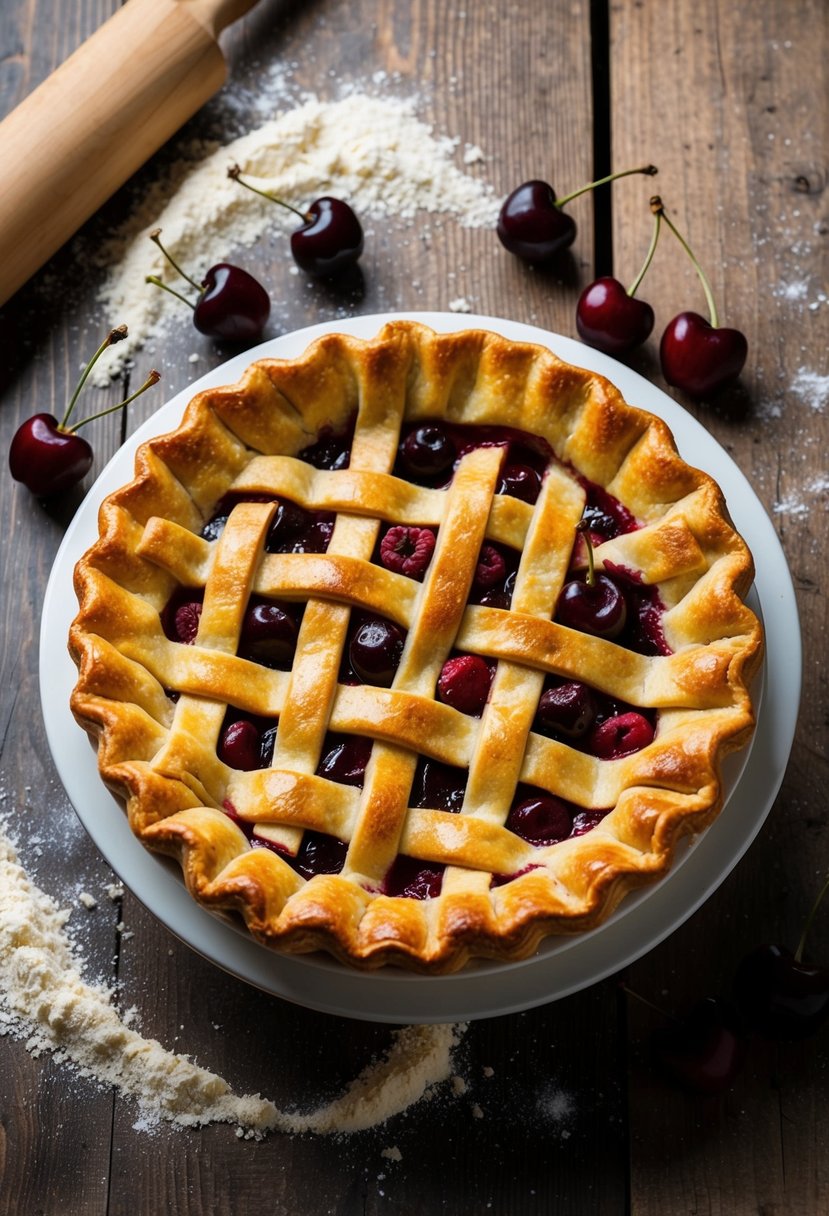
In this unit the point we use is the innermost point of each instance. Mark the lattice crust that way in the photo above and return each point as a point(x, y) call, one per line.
point(162, 755)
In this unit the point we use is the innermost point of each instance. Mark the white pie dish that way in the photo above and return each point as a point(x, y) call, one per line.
point(562, 965)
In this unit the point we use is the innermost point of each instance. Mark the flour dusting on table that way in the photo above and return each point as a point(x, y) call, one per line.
point(374, 153)
point(45, 1000)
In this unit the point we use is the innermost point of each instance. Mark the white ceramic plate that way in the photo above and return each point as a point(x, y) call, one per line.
point(562, 966)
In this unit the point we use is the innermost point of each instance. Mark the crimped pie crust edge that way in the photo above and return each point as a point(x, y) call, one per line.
point(670, 788)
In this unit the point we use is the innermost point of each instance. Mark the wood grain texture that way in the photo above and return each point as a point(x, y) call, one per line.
point(54, 1127)
point(728, 100)
point(723, 99)
point(548, 1101)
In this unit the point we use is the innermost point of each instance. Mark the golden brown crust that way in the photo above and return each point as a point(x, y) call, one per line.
point(162, 756)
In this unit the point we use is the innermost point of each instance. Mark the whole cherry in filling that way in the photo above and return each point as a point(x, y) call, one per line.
point(413, 879)
point(268, 634)
point(541, 819)
point(569, 709)
point(239, 746)
point(375, 649)
point(319, 853)
point(438, 786)
point(520, 481)
point(592, 603)
point(427, 451)
point(344, 759)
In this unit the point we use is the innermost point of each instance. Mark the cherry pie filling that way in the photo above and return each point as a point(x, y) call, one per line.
point(618, 606)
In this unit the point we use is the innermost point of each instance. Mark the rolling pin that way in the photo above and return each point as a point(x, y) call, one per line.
point(73, 141)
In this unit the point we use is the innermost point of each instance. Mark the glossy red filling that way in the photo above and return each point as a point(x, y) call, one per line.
point(580, 716)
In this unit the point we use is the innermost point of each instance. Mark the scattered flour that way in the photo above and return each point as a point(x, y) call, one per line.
point(44, 999)
point(812, 388)
point(374, 152)
point(798, 505)
point(557, 1108)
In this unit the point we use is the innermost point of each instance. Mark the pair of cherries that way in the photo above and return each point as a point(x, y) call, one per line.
point(48, 456)
point(697, 355)
point(777, 996)
point(232, 305)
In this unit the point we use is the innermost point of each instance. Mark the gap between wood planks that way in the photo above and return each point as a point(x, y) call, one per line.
point(602, 198)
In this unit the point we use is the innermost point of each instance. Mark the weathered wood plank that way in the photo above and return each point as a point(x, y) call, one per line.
point(54, 1127)
point(724, 100)
point(550, 1099)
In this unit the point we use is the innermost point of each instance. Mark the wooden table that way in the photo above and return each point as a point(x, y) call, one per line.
point(730, 101)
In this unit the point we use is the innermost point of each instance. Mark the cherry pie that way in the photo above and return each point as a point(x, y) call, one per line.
point(415, 649)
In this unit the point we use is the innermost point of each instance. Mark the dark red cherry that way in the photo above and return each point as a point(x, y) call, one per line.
point(780, 996)
point(345, 760)
point(316, 537)
point(427, 451)
point(289, 523)
point(464, 684)
point(599, 609)
point(620, 736)
point(48, 456)
point(568, 710)
point(586, 821)
point(46, 459)
point(268, 635)
point(266, 746)
point(375, 651)
point(610, 319)
point(329, 452)
point(699, 358)
point(233, 305)
point(532, 225)
point(320, 853)
point(413, 879)
point(520, 481)
point(239, 746)
point(704, 1051)
point(541, 820)
point(330, 239)
point(438, 786)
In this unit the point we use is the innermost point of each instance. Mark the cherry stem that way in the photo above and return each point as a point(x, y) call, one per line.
point(582, 526)
point(657, 224)
point(649, 170)
point(152, 379)
point(155, 236)
point(153, 278)
point(114, 335)
point(658, 208)
point(798, 954)
point(235, 173)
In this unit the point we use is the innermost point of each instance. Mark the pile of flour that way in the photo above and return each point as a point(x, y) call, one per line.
point(375, 153)
point(45, 999)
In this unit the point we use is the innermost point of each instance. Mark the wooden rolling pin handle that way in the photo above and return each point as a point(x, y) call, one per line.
point(78, 137)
